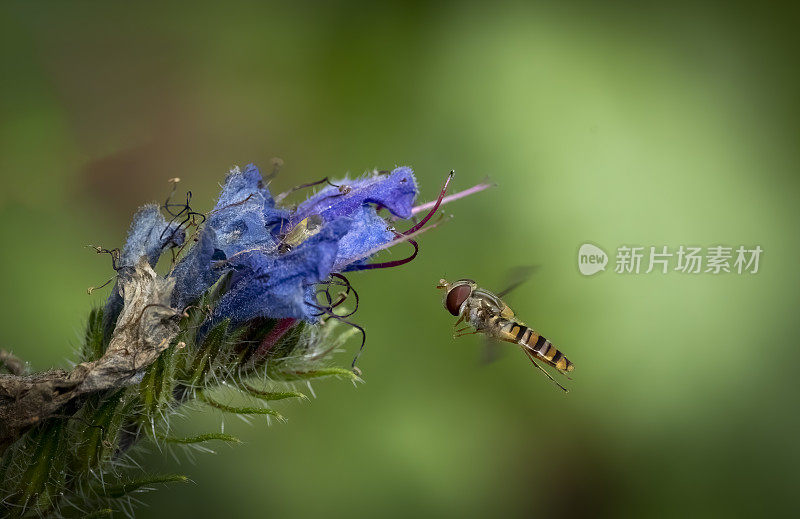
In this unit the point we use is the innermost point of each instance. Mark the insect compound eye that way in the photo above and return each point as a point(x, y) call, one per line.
point(455, 297)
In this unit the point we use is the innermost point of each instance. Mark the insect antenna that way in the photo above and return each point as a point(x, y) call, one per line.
point(531, 356)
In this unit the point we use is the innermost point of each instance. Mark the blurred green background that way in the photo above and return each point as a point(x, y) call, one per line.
point(610, 123)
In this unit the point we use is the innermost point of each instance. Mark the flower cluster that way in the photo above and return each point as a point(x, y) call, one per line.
point(235, 314)
point(275, 255)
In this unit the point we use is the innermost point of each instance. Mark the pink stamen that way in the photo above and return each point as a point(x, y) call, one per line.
point(274, 335)
point(450, 198)
point(435, 206)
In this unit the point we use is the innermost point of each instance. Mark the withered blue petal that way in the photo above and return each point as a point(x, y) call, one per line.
point(195, 273)
point(149, 234)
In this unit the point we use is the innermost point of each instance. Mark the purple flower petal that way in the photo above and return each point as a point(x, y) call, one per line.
point(280, 285)
point(367, 231)
point(244, 212)
point(395, 191)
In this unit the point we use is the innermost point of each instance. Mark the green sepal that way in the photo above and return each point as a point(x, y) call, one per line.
point(40, 481)
point(240, 410)
point(278, 374)
point(93, 344)
point(202, 438)
point(97, 429)
point(272, 395)
point(207, 353)
point(123, 489)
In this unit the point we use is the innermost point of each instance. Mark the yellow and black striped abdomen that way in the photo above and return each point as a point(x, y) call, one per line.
point(516, 332)
point(545, 350)
point(538, 345)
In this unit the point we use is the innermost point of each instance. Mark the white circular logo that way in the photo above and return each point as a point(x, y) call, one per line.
point(591, 259)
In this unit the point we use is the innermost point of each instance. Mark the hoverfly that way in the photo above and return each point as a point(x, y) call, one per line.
point(488, 314)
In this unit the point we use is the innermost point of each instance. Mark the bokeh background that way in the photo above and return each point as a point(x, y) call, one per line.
point(609, 123)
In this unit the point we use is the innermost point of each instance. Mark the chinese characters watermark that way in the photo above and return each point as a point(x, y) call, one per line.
point(717, 259)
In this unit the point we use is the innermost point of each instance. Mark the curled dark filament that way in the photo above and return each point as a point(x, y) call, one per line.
point(327, 311)
point(435, 207)
point(343, 189)
point(189, 216)
point(114, 253)
point(342, 297)
point(387, 264)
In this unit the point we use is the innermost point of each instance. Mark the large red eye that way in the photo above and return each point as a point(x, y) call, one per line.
point(455, 297)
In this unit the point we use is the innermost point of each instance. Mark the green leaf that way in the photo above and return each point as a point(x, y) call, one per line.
point(240, 410)
point(202, 438)
point(46, 456)
point(99, 513)
point(207, 352)
point(273, 395)
point(98, 429)
point(123, 489)
point(93, 346)
point(317, 373)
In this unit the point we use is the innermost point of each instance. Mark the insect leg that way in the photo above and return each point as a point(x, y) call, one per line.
point(460, 319)
point(531, 356)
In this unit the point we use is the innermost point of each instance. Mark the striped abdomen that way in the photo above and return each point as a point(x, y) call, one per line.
point(535, 343)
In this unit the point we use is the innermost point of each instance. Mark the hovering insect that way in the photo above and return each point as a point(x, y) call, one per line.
point(304, 230)
point(488, 314)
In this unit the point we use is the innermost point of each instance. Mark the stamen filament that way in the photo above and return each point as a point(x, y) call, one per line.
point(435, 206)
point(451, 198)
point(399, 239)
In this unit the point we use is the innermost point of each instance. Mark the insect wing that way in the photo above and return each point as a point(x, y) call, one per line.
point(517, 276)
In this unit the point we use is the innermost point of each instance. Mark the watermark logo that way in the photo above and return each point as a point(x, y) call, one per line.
point(591, 259)
point(718, 259)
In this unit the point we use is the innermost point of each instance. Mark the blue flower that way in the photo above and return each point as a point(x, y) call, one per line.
point(281, 285)
point(243, 236)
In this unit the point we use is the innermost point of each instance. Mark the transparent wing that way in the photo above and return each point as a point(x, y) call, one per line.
point(492, 350)
point(517, 276)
